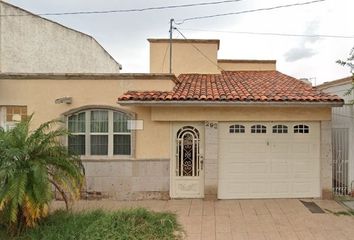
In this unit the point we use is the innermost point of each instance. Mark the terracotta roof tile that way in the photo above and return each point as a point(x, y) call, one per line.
point(255, 86)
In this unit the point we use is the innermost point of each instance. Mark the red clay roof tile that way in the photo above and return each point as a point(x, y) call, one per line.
point(255, 86)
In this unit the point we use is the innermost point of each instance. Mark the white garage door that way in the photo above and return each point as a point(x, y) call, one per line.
point(269, 160)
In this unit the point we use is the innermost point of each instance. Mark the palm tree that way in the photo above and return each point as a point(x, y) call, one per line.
point(32, 165)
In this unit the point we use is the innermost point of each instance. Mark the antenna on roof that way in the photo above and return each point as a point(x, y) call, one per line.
point(171, 32)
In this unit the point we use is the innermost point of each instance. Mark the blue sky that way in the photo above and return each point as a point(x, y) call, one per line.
point(124, 35)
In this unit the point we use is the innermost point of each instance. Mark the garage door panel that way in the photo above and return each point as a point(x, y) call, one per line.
point(234, 168)
point(303, 168)
point(258, 188)
point(303, 187)
point(239, 188)
point(269, 165)
point(300, 148)
point(241, 157)
point(280, 148)
point(280, 187)
point(282, 167)
point(231, 148)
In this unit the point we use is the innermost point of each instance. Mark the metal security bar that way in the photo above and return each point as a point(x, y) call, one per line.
point(340, 153)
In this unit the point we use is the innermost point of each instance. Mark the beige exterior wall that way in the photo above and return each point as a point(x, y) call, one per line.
point(39, 97)
point(153, 142)
point(241, 113)
point(185, 57)
point(247, 65)
point(147, 175)
point(32, 44)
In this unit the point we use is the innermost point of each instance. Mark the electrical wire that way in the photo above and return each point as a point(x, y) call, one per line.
point(179, 22)
point(271, 34)
point(128, 10)
point(200, 51)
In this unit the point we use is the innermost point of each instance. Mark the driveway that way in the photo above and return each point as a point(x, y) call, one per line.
point(245, 219)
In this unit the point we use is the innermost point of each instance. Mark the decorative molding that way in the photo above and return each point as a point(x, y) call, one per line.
point(93, 107)
point(89, 76)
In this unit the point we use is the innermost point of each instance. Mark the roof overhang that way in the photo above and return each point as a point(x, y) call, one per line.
point(338, 82)
point(89, 76)
point(231, 104)
point(166, 40)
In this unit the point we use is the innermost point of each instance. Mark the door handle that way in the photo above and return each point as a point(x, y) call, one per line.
point(201, 158)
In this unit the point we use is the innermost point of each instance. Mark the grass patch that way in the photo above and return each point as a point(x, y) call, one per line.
point(100, 225)
point(345, 213)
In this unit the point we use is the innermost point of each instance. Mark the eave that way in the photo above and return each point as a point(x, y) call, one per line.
point(233, 103)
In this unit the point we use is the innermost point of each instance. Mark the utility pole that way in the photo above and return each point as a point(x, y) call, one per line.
point(171, 32)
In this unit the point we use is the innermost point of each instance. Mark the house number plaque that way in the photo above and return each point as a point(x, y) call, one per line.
point(211, 125)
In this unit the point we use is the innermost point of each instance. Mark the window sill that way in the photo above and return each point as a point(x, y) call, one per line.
point(117, 159)
point(106, 158)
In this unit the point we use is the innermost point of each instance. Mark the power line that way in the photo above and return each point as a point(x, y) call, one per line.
point(128, 10)
point(271, 34)
point(196, 48)
point(247, 11)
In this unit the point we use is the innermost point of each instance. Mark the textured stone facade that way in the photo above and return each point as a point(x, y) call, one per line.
point(128, 179)
point(326, 159)
point(211, 159)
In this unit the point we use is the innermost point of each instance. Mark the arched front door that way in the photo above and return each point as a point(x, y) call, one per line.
point(187, 166)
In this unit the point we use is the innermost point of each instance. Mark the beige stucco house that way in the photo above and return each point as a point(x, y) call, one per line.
point(229, 129)
point(32, 44)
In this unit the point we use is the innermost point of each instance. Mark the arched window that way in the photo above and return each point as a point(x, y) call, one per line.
point(99, 132)
point(237, 128)
point(280, 129)
point(301, 128)
point(258, 129)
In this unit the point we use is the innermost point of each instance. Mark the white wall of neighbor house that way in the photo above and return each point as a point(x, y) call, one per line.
point(343, 118)
point(32, 44)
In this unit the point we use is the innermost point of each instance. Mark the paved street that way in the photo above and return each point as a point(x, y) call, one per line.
point(245, 219)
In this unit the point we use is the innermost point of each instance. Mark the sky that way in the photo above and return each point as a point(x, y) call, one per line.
point(124, 35)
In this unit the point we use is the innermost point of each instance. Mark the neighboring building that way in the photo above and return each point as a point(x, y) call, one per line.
point(343, 135)
point(32, 44)
point(232, 129)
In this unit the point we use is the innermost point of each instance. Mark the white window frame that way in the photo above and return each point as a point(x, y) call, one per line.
point(6, 125)
point(301, 129)
point(258, 129)
point(110, 134)
point(3, 117)
point(280, 129)
point(237, 128)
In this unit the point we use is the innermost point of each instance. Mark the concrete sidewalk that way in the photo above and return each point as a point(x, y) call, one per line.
point(245, 219)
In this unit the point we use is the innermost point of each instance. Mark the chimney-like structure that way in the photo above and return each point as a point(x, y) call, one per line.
point(188, 56)
point(198, 56)
point(246, 65)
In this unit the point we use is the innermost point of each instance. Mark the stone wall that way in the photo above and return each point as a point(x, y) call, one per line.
point(326, 159)
point(211, 159)
point(128, 179)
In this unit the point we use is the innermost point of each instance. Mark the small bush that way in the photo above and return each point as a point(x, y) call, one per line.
point(99, 225)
